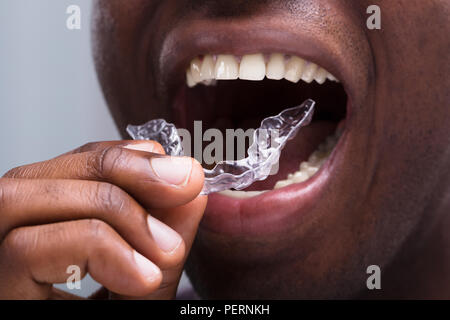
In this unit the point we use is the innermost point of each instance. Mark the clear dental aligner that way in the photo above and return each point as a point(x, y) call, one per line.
point(268, 142)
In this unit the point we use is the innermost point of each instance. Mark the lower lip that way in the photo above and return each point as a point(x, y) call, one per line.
point(273, 211)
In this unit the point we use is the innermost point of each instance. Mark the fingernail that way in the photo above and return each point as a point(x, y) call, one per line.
point(140, 146)
point(166, 238)
point(173, 170)
point(147, 268)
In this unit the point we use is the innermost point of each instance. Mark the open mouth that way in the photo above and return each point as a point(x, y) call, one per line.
point(228, 91)
point(237, 92)
point(214, 75)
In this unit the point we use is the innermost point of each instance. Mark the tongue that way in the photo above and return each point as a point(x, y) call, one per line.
point(296, 151)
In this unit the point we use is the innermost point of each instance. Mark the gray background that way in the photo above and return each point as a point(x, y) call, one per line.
point(50, 100)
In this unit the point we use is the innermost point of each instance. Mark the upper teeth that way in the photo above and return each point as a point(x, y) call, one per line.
point(255, 67)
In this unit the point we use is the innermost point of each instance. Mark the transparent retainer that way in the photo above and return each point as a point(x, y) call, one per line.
point(263, 154)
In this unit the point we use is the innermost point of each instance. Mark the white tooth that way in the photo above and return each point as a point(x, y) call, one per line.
point(195, 70)
point(276, 67)
point(207, 69)
point(316, 157)
point(294, 69)
point(309, 72)
point(322, 161)
point(321, 75)
point(299, 176)
point(282, 183)
point(210, 82)
point(312, 171)
point(190, 82)
point(252, 67)
point(304, 166)
point(332, 78)
point(241, 194)
point(309, 169)
point(226, 68)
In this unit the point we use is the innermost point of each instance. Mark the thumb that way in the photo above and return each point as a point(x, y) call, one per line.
point(185, 220)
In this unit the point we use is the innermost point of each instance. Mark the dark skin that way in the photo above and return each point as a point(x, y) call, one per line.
point(387, 204)
point(93, 208)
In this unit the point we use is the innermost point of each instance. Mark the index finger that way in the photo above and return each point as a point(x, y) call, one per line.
point(148, 146)
point(155, 180)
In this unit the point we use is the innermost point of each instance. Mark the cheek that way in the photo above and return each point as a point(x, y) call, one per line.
point(411, 122)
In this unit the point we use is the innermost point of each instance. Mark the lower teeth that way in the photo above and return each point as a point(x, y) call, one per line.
point(306, 171)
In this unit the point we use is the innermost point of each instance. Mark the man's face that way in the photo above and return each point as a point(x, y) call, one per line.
point(374, 196)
